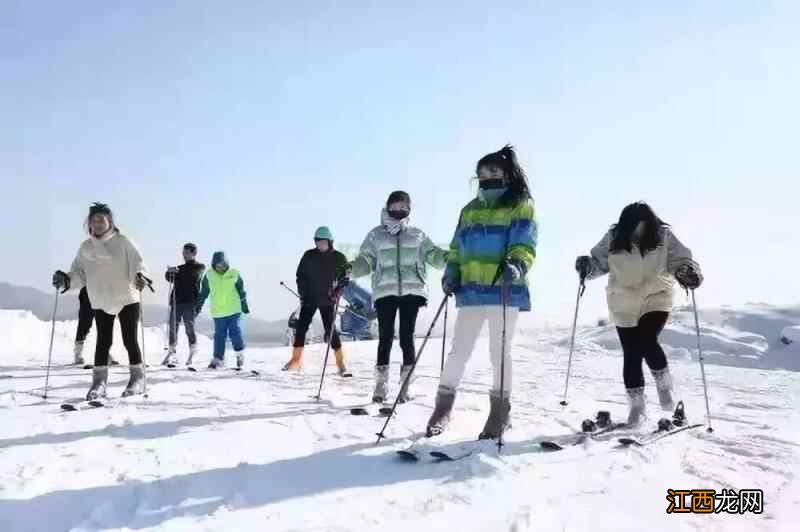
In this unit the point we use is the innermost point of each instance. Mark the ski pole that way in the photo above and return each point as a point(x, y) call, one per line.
point(141, 321)
point(444, 336)
point(700, 358)
point(581, 290)
point(411, 372)
point(328, 348)
point(50, 352)
point(295, 294)
point(505, 290)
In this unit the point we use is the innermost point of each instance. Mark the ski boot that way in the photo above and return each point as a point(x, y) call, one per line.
point(99, 380)
point(403, 396)
point(216, 363)
point(637, 405)
point(78, 351)
point(381, 384)
point(171, 360)
point(136, 384)
point(445, 397)
point(239, 359)
point(340, 365)
point(192, 353)
point(498, 420)
point(664, 387)
point(296, 362)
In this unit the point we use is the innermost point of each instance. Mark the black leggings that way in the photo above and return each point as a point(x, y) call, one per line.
point(387, 308)
point(641, 342)
point(304, 322)
point(129, 323)
point(85, 316)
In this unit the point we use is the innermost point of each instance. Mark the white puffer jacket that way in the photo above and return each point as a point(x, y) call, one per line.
point(638, 285)
point(107, 266)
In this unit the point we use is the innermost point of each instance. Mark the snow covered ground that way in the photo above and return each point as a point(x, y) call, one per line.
point(222, 451)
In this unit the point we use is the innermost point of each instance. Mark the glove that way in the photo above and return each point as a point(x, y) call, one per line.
point(688, 277)
point(511, 272)
point(172, 271)
point(197, 310)
point(141, 282)
point(245, 307)
point(61, 281)
point(583, 265)
point(449, 285)
point(343, 282)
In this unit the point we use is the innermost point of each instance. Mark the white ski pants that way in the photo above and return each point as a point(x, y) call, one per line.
point(469, 324)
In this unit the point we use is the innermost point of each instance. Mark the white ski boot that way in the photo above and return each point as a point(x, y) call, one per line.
point(136, 384)
point(99, 379)
point(240, 359)
point(381, 384)
point(664, 387)
point(637, 405)
point(216, 363)
point(403, 395)
point(78, 351)
point(192, 353)
point(171, 360)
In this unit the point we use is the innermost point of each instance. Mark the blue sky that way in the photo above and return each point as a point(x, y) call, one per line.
point(244, 125)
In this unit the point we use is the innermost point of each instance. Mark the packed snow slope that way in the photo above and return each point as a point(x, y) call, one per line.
point(223, 451)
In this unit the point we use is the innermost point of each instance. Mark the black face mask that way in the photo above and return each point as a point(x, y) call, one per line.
point(398, 215)
point(491, 184)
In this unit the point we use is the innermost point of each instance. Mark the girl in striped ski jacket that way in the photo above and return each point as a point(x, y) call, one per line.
point(492, 251)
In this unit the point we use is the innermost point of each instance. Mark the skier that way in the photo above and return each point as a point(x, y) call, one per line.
point(85, 317)
point(493, 248)
point(113, 272)
point(643, 258)
point(228, 302)
point(396, 254)
point(321, 275)
point(185, 280)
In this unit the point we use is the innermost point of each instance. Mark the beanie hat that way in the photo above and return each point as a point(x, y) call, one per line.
point(219, 259)
point(323, 233)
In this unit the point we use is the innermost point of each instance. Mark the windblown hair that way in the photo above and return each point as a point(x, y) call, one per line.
point(623, 231)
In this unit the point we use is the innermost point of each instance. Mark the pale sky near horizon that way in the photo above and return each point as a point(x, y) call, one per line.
point(244, 125)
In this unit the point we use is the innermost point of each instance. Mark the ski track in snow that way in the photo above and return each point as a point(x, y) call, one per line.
point(224, 451)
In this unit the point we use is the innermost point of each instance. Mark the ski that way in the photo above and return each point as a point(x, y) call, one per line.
point(413, 452)
point(655, 436)
point(77, 406)
point(6, 377)
point(459, 451)
point(250, 372)
point(666, 427)
point(383, 411)
point(600, 426)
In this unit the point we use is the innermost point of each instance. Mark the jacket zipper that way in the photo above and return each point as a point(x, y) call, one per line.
point(399, 273)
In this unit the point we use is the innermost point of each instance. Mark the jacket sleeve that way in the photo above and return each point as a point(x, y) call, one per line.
point(198, 272)
point(341, 265)
point(365, 263)
point(77, 274)
point(433, 254)
point(205, 290)
point(523, 234)
point(240, 289)
point(599, 256)
point(677, 254)
point(453, 268)
point(302, 277)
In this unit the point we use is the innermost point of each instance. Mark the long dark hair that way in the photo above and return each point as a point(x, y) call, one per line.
point(622, 231)
point(506, 159)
